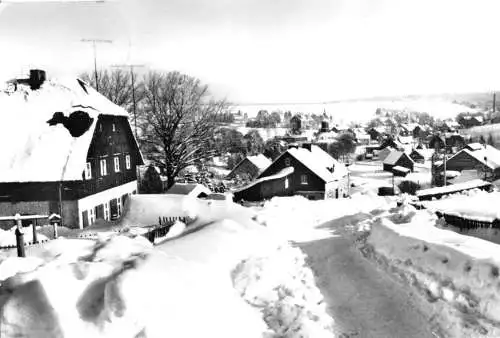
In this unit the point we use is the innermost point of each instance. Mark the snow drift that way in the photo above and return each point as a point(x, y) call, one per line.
point(458, 274)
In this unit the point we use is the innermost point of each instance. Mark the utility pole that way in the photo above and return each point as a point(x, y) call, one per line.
point(494, 102)
point(94, 42)
point(133, 91)
point(444, 160)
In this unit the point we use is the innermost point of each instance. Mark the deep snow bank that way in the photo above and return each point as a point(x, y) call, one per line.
point(296, 218)
point(459, 275)
point(197, 285)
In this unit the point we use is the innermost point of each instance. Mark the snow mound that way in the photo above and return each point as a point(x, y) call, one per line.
point(121, 287)
point(282, 288)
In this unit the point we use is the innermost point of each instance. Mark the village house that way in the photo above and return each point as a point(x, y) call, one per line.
point(308, 171)
point(416, 156)
point(250, 167)
point(398, 159)
point(485, 159)
point(70, 152)
point(410, 129)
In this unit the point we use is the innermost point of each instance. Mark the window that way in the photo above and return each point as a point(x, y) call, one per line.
point(104, 169)
point(286, 183)
point(119, 203)
point(117, 164)
point(106, 211)
point(91, 216)
point(287, 162)
point(127, 161)
point(114, 127)
point(303, 179)
point(88, 171)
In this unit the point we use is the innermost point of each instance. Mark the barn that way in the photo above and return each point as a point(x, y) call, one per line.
point(70, 152)
point(250, 167)
point(398, 159)
point(308, 171)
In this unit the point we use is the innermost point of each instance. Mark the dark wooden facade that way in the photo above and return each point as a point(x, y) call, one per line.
point(245, 169)
point(417, 157)
point(112, 139)
point(465, 161)
point(403, 161)
point(314, 183)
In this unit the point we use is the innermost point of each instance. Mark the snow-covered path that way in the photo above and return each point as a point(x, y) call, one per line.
point(364, 301)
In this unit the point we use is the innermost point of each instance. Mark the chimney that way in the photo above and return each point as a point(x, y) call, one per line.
point(37, 78)
point(306, 146)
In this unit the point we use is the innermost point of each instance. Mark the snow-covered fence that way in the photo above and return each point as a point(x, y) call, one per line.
point(468, 223)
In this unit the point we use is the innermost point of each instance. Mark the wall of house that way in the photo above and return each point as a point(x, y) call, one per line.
point(23, 208)
point(314, 183)
point(246, 167)
point(405, 162)
point(113, 138)
point(107, 200)
point(462, 161)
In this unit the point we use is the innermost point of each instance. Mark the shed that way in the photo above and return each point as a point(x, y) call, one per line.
point(397, 158)
point(189, 189)
point(416, 156)
point(250, 166)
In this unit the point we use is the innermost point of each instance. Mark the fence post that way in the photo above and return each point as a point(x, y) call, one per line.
point(55, 230)
point(19, 237)
point(35, 237)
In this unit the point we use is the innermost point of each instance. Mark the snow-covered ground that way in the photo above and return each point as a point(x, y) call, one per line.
point(458, 274)
point(8, 237)
point(220, 281)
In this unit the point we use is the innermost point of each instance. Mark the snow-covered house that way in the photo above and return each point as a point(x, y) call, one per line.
point(416, 156)
point(308, 171)
point(476, 156)
point(66, 149)
point(398, 159)
point(250, 166)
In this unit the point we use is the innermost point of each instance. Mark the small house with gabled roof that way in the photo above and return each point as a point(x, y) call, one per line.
point(189, 189)
point(250, 167)
point(307, 170)
point(398, 159)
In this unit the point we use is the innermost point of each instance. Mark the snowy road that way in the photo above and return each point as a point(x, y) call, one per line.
point(364, 301)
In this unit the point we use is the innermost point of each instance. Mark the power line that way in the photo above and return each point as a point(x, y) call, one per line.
point(94, 42)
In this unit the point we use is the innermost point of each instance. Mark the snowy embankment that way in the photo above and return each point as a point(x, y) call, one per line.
point(458, 274)
point(8, 237)
point(472, 204)
point(230, 278)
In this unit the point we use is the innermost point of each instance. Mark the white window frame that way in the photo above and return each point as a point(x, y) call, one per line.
point(286, 183)
point(91, 216)
point(88, 171)
point(104, 167)
point(116, 161)
point(127, 161)
point(119, 206)
point(114, 127)
point(303, 179)
point(106, 211)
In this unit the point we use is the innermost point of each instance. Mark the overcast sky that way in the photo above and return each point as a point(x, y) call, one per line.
point(256, 51)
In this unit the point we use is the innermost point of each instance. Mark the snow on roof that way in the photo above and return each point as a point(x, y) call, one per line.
point(260, 161)
point(405, 139)
point(452, 188)
point(401, 169)
point(317, 160)
point(474, 146)
point(193, 189)
point(34, 151)
point(282, 173)
point(394, 156)
point(487, 155)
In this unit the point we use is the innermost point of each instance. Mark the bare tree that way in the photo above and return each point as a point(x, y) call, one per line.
point(116, 85)
point(178, 121)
